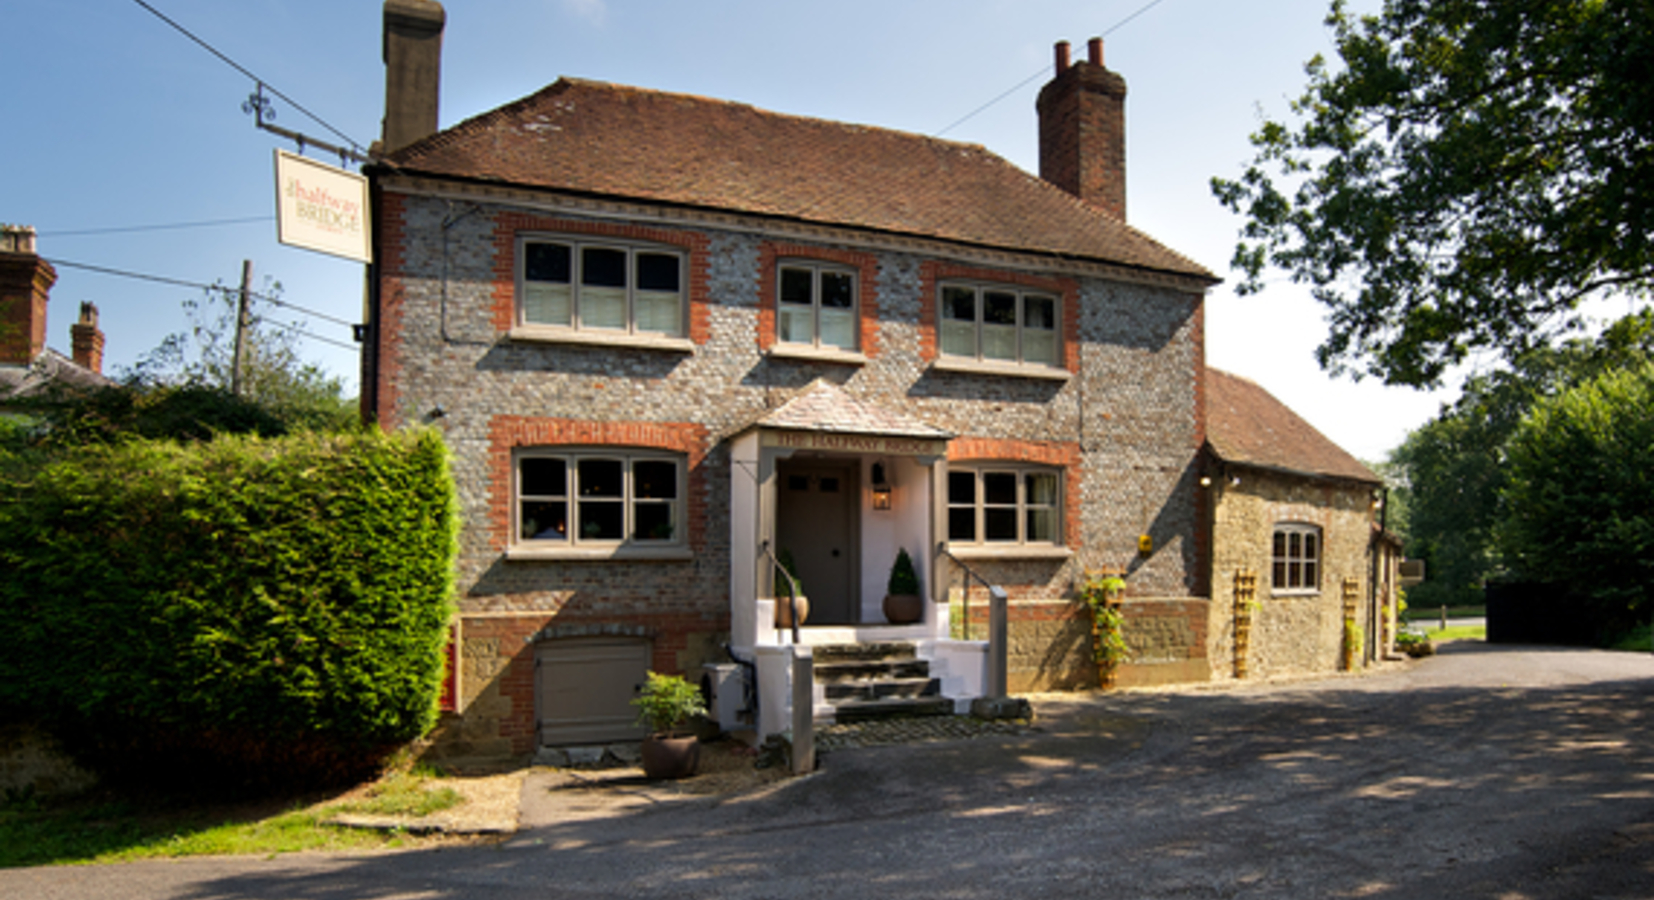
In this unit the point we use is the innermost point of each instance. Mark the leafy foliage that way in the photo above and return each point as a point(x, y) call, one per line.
point(1463, 180)
point(1455, 465)
point(903, 578)
point(1101, 594)
point(1580, 495)
point(667, 701)
point(261, 609)
point(274, 377)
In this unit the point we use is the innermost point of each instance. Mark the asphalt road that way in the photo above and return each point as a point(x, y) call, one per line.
point(1484, 772)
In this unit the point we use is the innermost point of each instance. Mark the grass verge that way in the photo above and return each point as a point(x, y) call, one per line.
point(102, 827)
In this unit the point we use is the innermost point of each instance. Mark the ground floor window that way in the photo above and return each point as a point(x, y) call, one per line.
point(595, 498)
point(1296, 563)
point(991, 504)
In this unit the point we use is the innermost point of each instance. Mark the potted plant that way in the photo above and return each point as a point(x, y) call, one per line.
point(665, 703)
point(902, 603)
point(783, 612)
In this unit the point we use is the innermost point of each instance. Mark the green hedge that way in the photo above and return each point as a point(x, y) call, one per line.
point(243, 603)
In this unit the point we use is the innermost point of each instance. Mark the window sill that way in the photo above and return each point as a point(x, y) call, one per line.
point(1295, 593)
point(816, 354)
point(598, 554)
point(1011, 551)
point(1014, 370)
point(546, 335)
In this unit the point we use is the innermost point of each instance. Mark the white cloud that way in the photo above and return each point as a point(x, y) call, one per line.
point(593, 11)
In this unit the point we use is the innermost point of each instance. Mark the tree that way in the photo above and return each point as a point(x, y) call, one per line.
point(1580, 495)
point(275, 376)
point(1456, 465)
point(1466, 178)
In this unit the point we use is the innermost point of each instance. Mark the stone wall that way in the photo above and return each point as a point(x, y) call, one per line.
point(1291, 633)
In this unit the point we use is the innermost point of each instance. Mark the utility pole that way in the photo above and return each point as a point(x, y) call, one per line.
point(238, 366)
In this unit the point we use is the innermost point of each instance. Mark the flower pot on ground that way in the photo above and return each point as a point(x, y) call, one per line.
point(665, 703)
point(903, 604)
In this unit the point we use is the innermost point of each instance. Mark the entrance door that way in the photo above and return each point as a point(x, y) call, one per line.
point(814, 513)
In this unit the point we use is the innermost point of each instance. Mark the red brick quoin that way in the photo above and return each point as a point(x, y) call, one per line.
point(509, 432)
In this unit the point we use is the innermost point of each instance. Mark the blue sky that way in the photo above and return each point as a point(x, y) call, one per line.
point(117, 121)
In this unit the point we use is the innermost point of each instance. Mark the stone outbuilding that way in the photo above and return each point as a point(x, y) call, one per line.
point(1303, 573)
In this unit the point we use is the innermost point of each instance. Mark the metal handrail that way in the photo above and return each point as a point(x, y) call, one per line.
point(965, 593)
point(792, 586)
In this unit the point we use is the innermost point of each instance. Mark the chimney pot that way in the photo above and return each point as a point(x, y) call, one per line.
point(86, 341)
point(25, 282)
point(413, 70)
point(1082, 131)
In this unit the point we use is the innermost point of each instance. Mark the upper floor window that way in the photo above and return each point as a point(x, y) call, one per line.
point(991, 323)
point(1296, 559)
point(992, 504)
point(598, 498)
point(600, 285)
point(816, 305)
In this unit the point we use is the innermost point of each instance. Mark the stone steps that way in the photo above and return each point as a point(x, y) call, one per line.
point(863, 682)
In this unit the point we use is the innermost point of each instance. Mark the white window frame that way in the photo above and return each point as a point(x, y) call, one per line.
point(1293, 548)
point(574, 496)
point(979, 290)
point(980, 507)
point(577, 245)
point(816, 269)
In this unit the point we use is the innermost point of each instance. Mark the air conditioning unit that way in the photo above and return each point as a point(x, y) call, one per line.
point(724, 688)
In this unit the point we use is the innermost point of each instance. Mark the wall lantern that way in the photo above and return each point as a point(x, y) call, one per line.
point(881, 487)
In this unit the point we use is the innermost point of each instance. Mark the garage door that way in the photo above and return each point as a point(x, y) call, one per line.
point(583, 689)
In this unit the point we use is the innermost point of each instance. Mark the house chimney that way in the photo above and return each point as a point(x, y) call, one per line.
point(1082, 130)
point(86, 341)
point(413, 71)
point(25, 282)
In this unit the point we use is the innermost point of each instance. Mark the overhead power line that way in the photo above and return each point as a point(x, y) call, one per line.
point(243, 70)
point(172, 226)
point(222, 288)
point(1040, 71)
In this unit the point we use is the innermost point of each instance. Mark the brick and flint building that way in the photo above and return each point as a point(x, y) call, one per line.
point(668, 337)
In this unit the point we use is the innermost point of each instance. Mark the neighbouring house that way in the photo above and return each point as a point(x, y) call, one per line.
point(673, 341)
point(1301, 570)
point(27, 366)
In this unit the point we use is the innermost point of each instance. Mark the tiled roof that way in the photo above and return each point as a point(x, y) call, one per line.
point(1246, 425)
point(824, 406)
point(50, 367)
point(610, 140)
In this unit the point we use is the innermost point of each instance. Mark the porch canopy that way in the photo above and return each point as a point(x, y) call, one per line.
point(838, 485)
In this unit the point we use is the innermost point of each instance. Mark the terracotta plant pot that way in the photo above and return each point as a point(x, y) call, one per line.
point(903, 609)
point(666, 756)
point(784, 616)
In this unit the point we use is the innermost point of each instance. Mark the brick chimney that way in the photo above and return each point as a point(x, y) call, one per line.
point(86, 341)
point(1082, 130)
point(25, 282)
point(413, 71)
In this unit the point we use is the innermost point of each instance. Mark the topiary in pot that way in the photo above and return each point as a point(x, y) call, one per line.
point(902, 603)
point(665, 703)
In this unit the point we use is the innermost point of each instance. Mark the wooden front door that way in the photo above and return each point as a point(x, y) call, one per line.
point(815, 523)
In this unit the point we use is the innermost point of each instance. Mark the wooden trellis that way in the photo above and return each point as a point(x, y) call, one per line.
point(1246, 600)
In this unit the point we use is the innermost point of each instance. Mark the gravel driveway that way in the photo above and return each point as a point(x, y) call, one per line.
point(1484, 772)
